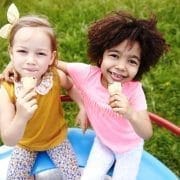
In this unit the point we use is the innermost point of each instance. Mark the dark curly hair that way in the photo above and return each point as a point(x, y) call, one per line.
point(119, 26)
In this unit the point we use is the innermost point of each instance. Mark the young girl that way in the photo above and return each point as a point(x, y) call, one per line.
point(32, 117)
point(123, 48)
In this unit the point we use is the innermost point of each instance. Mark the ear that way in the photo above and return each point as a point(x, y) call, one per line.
point(53, 58)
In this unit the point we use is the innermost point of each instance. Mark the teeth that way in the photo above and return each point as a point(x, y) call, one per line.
point(114, 87)
point(117, 75)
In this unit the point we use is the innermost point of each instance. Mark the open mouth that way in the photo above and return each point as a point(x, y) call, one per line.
point(117, 76)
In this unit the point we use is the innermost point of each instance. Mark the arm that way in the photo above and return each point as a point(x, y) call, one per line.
point(81, 117)
point(66, 83)
point(13, 118)
point(62, 65)
point(140, 122)
point(138, 119)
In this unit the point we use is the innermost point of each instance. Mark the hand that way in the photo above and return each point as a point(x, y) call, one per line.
point(119, 103)
point(1, 77)
point(9, 73)
point(82, 120)
point(26, 104)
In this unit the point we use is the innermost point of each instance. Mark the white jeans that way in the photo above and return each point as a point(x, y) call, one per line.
point(101, 159)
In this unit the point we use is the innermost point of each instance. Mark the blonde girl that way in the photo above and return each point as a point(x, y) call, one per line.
point(31, 119)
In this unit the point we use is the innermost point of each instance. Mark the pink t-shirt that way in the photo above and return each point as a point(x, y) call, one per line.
point(113, 130)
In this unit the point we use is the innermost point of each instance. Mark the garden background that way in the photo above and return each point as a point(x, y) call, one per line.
point(71, 19)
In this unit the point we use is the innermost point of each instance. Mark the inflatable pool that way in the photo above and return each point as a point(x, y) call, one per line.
point(150, 168)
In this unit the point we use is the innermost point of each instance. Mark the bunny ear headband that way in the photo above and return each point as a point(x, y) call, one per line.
point(12, 17)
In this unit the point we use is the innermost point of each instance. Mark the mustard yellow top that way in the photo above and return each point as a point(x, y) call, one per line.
point(47, 128)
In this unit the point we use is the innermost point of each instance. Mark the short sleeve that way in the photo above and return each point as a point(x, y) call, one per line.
point(78, 72)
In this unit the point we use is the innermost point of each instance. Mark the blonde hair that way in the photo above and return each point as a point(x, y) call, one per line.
point(34, 21)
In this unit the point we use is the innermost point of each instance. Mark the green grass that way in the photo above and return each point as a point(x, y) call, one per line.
point(71, 19)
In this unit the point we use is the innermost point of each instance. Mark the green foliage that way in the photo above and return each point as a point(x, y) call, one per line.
point(165, 147)
point(71, 18)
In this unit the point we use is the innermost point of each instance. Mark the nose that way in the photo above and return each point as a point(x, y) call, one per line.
point(121, 65)
point(30, 59)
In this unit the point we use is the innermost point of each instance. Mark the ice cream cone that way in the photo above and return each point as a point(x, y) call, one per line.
point(114, 88)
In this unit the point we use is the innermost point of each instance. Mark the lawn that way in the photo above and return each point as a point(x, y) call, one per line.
point(162, 86)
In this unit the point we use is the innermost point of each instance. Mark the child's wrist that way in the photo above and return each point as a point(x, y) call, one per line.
point(130, 114)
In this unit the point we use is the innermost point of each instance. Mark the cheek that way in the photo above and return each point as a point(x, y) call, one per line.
point(17, 61)
point(44, 66)
point(103, 67)
point(105, 63)
point(134, 71)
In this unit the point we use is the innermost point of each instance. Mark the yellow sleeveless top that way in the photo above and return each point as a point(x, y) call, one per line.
point(47, 128)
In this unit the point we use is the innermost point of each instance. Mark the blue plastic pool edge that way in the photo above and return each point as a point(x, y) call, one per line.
point(150, 167)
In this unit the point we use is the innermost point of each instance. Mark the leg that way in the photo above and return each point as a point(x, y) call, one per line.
point(20, 164)
point(65, 159)
point(127, 164)
point(99, 162)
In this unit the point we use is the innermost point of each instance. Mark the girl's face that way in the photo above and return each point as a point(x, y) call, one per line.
point(120, 63)
point(31, 52)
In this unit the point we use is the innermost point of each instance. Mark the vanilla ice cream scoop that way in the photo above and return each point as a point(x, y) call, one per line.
point(114, 87)
point(29, 82)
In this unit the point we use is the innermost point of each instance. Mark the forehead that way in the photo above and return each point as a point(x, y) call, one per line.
point(32, 35)
point(129, 45)
point(26, 33)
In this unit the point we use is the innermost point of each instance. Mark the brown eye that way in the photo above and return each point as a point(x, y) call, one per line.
point(115, 56)
point(134, 62)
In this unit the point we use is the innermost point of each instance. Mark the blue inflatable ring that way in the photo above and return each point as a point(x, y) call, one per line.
point(150, 167)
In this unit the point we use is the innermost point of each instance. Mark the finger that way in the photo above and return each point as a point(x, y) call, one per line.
point(30, 95)
point(16, 75)
point(84, 128)
point(27, 94)
point(33, 108)
point(116, 109)
point(86, 125)
point(32, 102)
point(9, 77)
point(1, 77)
point(119, 111)
point(114, 97)
point(115, 104)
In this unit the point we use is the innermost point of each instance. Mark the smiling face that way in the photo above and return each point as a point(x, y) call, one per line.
point(120, 63)
point(31, 52)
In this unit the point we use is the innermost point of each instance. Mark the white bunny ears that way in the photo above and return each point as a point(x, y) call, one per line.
point(12, 17)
